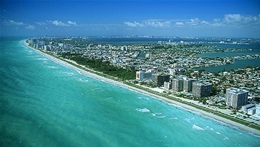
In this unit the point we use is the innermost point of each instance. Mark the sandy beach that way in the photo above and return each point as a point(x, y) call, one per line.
point(186, 107)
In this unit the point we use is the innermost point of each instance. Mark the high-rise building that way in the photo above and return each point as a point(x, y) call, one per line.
point(177, 84)
point(201, 89)
point(141, 75)
point(187, 84)
point(160, 78)
point(236, 98)
point(168, 85)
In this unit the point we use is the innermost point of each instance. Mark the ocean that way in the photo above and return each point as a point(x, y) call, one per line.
point(45, 104)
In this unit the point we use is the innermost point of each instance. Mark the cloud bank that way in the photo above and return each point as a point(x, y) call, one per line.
point(231, 20)
point(60, 23)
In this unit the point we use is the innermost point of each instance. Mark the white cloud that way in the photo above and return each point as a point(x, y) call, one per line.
point(58, 23)
point(158, 23)
point(228, 20)
point(149, 23)
point(72, 23)
point(12, 22)
point(204, 22)
point(216, 24)
point(179, 23)
point(193, 22)
point(241, 20)
point(216, 20)
point(30, 27)
point(134, 24)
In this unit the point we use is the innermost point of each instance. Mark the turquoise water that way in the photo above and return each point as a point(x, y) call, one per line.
point(45, 104)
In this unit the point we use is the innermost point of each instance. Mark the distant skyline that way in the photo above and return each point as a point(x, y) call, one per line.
point(180, 18)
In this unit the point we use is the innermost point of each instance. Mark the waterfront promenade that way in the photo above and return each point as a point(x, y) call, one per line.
point(88, 72)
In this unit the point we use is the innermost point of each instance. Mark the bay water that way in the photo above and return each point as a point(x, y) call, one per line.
point(249, 49)
point(45, 104)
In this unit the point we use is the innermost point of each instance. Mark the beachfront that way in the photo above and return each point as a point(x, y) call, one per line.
point(187, 107)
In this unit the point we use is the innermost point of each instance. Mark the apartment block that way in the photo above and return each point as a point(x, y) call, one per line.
point(236, 98)
point(201, 89)
point(141, 75)
point(159, 79)
point(187, 84)
point(177, 84)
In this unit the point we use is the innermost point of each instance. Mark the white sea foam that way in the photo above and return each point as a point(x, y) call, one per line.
point(195, 127)
point(218, 133)
point(226, 138)
point(68, 73)
point(174, 118)
point(54, 67)
point(143, 98)
point(144, 110)
point(189, 119)
point(161, 116)
point(209, 128)
point(82, 80)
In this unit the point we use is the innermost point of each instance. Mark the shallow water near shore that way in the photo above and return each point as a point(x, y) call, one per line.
point(45, 104)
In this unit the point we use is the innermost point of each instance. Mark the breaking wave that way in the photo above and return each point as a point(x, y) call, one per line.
point(144, 110)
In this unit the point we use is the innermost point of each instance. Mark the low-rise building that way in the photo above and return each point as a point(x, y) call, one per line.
point(251, 111)
point(246, 107)
point(258, 110)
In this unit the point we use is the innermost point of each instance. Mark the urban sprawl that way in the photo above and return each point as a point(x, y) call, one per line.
point(171, 68)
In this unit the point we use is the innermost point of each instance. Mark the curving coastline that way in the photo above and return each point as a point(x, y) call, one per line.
point(71, 65)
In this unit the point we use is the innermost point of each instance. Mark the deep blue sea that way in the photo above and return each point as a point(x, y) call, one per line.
point(45, 104)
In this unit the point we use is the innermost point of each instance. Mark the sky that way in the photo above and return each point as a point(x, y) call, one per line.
point(179, 18)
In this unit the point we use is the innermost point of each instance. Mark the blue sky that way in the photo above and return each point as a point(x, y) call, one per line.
point(182, 18)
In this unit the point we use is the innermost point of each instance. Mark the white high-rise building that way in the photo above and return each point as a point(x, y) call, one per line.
point(141, 75)
point(177, 84)
point(236, 98)
point(187, 84)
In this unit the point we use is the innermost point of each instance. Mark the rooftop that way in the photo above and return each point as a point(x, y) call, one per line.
point(201, 83)
point(236, 90)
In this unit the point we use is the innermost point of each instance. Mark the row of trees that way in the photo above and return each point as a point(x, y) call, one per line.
point(106, 68)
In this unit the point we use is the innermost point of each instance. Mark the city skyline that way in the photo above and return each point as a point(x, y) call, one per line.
point(214, 18)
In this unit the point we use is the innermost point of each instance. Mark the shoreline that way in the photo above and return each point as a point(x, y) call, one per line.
point(160, 98)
